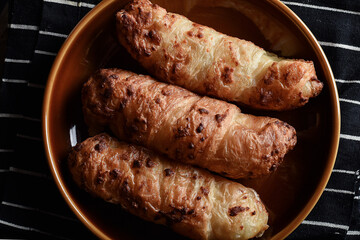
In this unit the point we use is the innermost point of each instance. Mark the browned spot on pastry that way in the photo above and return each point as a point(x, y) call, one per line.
point(200, 128)
point(144, 17)
point(149, 163)
point(100, 179)
point(175, 216)
point(147, 52)
point(236, 210)
point(253, 213)
point(271, 74)
point(115, 173)
point(166, 92)
point(202, 139)
point(114, 76)
point(182, 132)
point(203, 110)
point(100, 146)
point(265, 96)
point(191, 156)
point(190, 33)
point(273, 167)
point(125, 187)
point(154, 37)
point(226, 76)
point(176, 67)
point(220, 117)
point(169, 172)
point(191, 145)
point(130, 90)
point(302, 99)
point(200, 35)
point(191, 211)
point(136, 164)
point(315, 79)
point(198, 198)
point(157, 100)
point(209, 87)
point(122, 105)
point(204, 190)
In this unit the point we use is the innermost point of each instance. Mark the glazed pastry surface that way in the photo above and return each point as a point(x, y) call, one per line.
point(176, 50)
point(186, 127)
point(189, 200)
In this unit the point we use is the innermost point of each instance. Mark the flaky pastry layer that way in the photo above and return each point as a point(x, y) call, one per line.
point(189, 200)
point(176, 50)
point(186, 127)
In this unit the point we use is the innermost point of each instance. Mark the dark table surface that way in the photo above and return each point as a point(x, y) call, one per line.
point(31, 33)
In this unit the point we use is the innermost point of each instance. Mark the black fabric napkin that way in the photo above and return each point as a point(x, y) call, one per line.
point(31, 205)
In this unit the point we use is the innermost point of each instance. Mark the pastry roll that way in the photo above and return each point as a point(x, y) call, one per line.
point(197, 130)
point(176, 50)
point(189, 200)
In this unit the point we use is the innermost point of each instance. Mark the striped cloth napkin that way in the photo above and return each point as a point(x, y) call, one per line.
point(31, 206)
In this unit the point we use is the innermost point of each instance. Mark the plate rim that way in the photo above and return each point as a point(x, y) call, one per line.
point(336, 117)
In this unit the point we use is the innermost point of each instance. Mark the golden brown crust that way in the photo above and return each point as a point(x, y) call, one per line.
point(196, 57)
point(189, 200)
point(197, 130)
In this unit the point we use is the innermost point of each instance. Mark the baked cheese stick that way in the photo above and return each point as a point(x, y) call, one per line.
point(191, 201)
point(197, 130)
point(176, 50)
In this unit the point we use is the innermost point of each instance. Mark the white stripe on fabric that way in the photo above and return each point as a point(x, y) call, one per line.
point(357, 197)
point(31, 119)
point(54, 34)
point(13, 115)
point(9, 224)
point(29, 137)
point(11, 60)
point(6, 80)
point(325, 224)
point(15, 205)
point(45, 53)
point(347, 81)
point(339, 45)
point(353, 233)
point(23, 27)
point(35, 28)
point(350, 137)
point(35, 85)
point(321, 7)
point(6, 150)
point(349, 101)
point(344, 171)
point(30, 173)
point(71, 3)
point(10, 115)
point(88, 5)
point(339, 191)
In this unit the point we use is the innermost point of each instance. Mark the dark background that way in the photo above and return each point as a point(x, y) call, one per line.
point(32, 207)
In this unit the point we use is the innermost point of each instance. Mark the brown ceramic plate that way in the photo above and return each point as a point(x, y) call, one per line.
point(289, 194)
